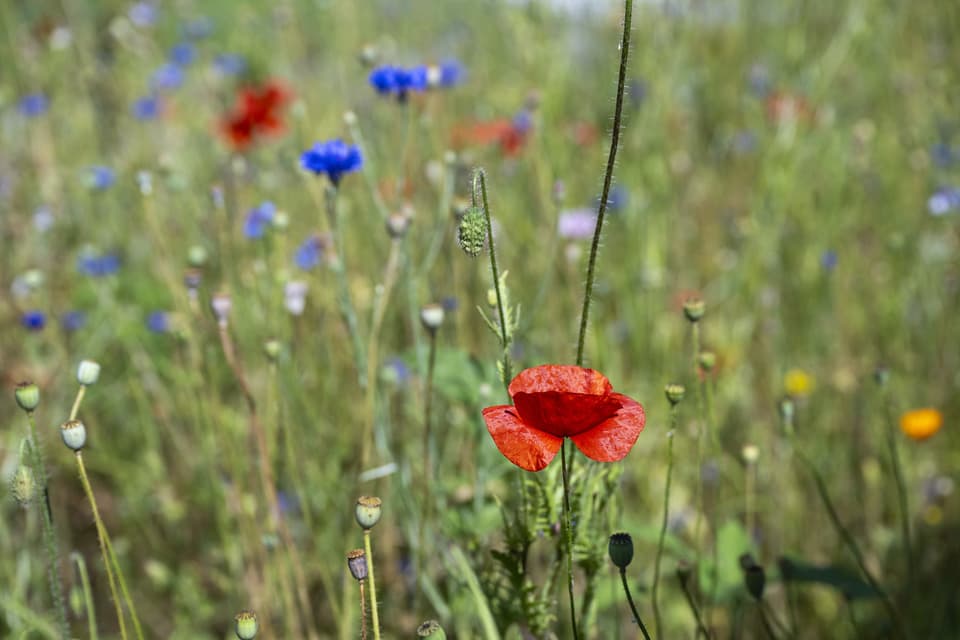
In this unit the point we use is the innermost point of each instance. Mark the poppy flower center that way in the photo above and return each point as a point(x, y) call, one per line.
point(565, 414)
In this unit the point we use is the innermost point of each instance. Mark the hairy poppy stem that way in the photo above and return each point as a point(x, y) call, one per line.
point(633, 607)
point(49, 533)
point(607, 177)
point(568, 534)
point(480, 178)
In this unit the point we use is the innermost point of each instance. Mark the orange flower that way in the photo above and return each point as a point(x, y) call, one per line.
point(921, 424)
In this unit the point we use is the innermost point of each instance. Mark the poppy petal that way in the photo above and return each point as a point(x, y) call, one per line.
point(521, 444)
point(612, 439)
point(564, 414)
point(563, 400)
point(560, 377)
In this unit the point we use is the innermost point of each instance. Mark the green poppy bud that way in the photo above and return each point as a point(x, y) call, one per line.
point(674, 393)
point(472, 232)
point(74, 434)
point(246, 625)
point(88, 372)
point(197, 256)
point(621, 549)
point(272, 349)
point(431, 629)
point(27, 395)
point(707, 361)
point(22, 486)
point(368, 511)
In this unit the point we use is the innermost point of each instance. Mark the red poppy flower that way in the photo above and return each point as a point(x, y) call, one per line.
point(257, 112)
point(552, 402)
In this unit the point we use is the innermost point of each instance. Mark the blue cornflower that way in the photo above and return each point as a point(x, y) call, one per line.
point(198, 28)
point(942, 155)
point(616, 199)
point(143, 14)
point(450, 303)
point(396, 370)
point(944, 201)
point(229, 64)
point(523, 121)
point(637, 92)
point(398, 81)
point(100, 177)
point(167, 77)
point(744, 142)
point(182, 54)
point(309, 253)
point(444, 75)
point(73, 320)
point(828, 260)
point(158, 322)
point(759, 80)
point(258, 219)
point(33, 105)
point(334, 158)
point(43, 218)
point(98, 266)
point(146, 108)
point(33, 320)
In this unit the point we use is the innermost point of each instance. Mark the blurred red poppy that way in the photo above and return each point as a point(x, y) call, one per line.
point(553, 402)
point(510, 135)
point(257, 112)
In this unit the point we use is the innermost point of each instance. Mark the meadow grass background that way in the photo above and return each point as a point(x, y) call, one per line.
point(777, 161)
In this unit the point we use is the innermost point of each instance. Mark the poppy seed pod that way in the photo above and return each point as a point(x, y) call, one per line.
point(246, 626)
point(74, 434)
point(431, 315)
point(88, 372)
point(431, 629)
point(357, 563)
point(368, 511)
point(472, 232)
point(397, 225)
point(621, 549)
point(674, 393)
point(27, 395)
point(754, 579)
point(693, 309)
point(221, 305)
point(197, 256)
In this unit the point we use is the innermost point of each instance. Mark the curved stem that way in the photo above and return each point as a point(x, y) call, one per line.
point(633, 607)
point(480, 177)
point(701, 628)
point(891, 438)
point(663, 525)
point(87, 594)
point(569, 536)
point(852, 546)
point(101, 536)
point(374, 614)
point(607, 177)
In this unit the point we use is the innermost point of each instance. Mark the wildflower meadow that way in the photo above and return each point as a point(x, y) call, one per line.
point(493, 319)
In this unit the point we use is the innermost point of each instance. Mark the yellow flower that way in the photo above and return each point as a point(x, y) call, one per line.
point(798, 383)
point(920, 424)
